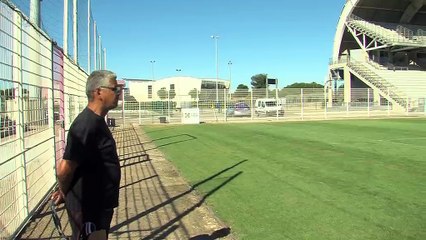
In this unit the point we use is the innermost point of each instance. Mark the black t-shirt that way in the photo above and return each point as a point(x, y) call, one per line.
point(96, 180)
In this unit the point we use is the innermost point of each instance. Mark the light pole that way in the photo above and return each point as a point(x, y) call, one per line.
point(152, 69)
point(230, 73)
point(215, 37)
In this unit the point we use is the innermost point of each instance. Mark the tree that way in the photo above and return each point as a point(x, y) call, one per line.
point(193, 93)
point(305, 85)
point(242, 86)
point(130, 98)
point(162, 93)
point(258, 81)
point(242, 91)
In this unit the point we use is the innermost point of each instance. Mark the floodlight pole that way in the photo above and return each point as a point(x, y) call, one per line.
point(215, 37)
point(230, 73)
point(152, 69)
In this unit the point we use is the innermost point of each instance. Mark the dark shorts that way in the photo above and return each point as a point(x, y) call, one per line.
point(83, 223)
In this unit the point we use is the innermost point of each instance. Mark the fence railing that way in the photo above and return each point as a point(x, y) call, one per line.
point(297, 104)
point(400, 34)
point(41, 92)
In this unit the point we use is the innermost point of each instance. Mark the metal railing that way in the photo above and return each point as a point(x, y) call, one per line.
point(31, 102)
point(382, 84)
point(298, 104)
point(400, 35)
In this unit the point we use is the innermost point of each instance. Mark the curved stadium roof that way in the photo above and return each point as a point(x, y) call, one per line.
point(410, 13)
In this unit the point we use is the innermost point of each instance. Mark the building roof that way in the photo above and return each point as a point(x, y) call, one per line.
point(392, 11)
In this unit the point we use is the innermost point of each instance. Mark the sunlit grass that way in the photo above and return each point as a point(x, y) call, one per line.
point(357, 179)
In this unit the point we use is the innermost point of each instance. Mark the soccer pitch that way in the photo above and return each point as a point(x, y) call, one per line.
point(350, 179)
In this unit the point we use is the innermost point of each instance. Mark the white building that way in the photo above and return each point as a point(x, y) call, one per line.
point(147, 90)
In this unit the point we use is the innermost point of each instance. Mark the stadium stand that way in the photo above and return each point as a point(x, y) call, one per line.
point(382, 45)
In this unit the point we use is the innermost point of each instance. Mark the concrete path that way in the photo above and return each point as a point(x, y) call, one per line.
point(155, 201)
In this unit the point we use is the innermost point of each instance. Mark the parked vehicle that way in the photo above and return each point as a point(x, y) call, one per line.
point(239, 109)
point(269, 107)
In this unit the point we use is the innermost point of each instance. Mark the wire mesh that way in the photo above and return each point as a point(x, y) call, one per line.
point(31, 102)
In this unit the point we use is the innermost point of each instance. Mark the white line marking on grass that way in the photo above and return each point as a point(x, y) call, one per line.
point(400, 140)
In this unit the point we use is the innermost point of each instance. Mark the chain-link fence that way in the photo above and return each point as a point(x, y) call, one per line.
point(41, 92)
point(260, 104)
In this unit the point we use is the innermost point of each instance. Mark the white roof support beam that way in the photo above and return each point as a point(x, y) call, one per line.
point(356, 34)
point(374, 45)
point(362, 40)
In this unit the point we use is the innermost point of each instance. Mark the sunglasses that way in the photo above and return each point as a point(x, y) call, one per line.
point(116, 90)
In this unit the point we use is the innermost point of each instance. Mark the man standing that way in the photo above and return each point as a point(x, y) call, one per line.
point(89, 173)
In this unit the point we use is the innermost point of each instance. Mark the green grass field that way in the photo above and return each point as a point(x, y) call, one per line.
point(351, 179)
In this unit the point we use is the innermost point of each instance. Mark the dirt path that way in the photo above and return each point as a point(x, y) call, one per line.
point(155, 201)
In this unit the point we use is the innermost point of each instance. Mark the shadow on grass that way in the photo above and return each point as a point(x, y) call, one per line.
point(223, 232)
point(180, 138)
point(164, 230)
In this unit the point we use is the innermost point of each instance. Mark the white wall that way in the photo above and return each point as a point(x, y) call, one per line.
point(183, 85)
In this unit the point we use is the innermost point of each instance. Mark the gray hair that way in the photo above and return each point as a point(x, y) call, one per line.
point(97, 79)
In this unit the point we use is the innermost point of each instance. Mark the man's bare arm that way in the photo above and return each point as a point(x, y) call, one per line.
point(65, 171)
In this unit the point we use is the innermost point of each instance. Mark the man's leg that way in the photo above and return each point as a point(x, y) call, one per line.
point(75, 216)
point(105, 219)
point(99, 228)
point(75, 224)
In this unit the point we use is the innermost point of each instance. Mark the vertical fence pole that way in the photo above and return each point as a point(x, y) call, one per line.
point(278, 102)
point(152, 111)
point(347, 108)
point(65, 28)
point(424, 106)
point(251, 104)
point(408, 105)
point(224, 103)
point(196, 98)
point(123, 115)
point(21, 114)
point(301, 103)
point(325, 103)
point(368, 102)
point(88, 35)
point(139, 113)
point(168, 105)
point(74, 31)
point(388, 102)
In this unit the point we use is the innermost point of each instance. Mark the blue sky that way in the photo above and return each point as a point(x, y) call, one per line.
point(288, 40)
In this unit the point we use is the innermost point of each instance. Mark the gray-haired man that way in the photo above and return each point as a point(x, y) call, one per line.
point(89, 173)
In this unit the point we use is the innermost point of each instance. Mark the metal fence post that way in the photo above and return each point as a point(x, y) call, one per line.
point(276, 97)
point(368, 102)
point(224, 103)
point(325, 104)
point(21, 118)
point(197, 98)
point(408, 105)
point(168, 105)
point(347, 108)
point(301, 103)
point(123, 115)
point(251, 104)
point(139, 113)
point(388, 102)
